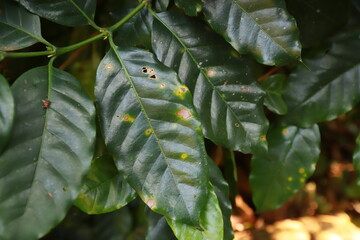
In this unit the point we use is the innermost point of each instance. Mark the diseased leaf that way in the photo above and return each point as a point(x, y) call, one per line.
point(18, 27)
point(104, 189)
point(64, 12)
point(221, 189)
point(153, 132)
point(7, 110)
point(293, 153)
point(262, 28)
point(158, 228)
point(356, 159)
point(318, 19)
point(225, 93)
point(211, 223)
point(274, 86)
point(190, 7)
point(331, 88)
point(50, 149)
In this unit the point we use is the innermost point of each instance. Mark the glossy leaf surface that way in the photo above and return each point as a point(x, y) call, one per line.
point(104, 188)
point(18, 27)
point(262, 28)
point(356, 159)
point(7, 110)
point(293, 153)
point(331, 88)
point(153, 131)
point(50, 149)
point(221, 189)
point(64, 12)
point(274, 86)
point(211, 223)
point(225, 93)
point(190, 7)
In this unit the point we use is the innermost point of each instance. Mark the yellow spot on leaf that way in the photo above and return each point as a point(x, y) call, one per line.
point(302, 180)
point(263, 138)
point(290, 179)
point(237, 125)
point(184, 156)
point(184, 114)
point(148, 132)
point(151, 203)
point(108, 66)
point(301, 170)
point(211, 73)
point(128, 118)
point(181, 91)
point(285, 131)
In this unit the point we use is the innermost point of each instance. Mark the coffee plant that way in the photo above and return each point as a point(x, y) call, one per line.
point(169, 74)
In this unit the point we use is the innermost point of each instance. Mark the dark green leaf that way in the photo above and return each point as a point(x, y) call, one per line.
point(161, 5)
point(356, 159)
point(222, 192)
point(225, 93)
point(136, 31)
point(152, 130)
point(49, 151)
point(190, 7)
point(104, 189)
point(211, 223)
point(261, 28)
point(331, 88)
point(274, 86)
point(318, 19)
point(230, 172)
point(18, 27)
point(7, 110)
point(293, 153)
point(158, 228)
point(64, 12)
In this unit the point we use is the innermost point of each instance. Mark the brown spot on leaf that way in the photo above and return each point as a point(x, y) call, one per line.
point(46, 103)
point(184, 114)
point(150, 203)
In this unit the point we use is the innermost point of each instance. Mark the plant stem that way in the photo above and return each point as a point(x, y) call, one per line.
point(26, 54)
point(62, 50)
point(127, 17)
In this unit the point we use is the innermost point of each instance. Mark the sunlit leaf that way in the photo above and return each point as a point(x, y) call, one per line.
point(104, 189)
point(211, 223)
point(50, 149)
point(64, 12)
point(7, 109)
point(293, 153)
point(262, 28)
point(225, 93)
point(153, 131)
point(18, 27)
point(331, 88)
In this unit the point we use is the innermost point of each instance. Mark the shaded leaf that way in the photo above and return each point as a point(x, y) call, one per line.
point(50, 149)
point(274, 86)
point(104, 189)
point(7, 110)
point(318, 19)
point(152, 130)
point(190, 7)
point(161, 5)
point(211, 223)
point(331, 88)
point(18, 27)
point(158, 228)
point(221, 189)
point(262, 28)
point(225, 93)
point(356, 159)
point(293, 153)
point(64, 12)
point(230, 172)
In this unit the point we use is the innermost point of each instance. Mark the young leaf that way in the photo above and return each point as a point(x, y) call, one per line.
point(292, 156)
point(152, 130)
point(7, 110)
point(190, 7)
point(104, 189)
point(356, 159)
point(262, 28)
point(18, 27)
point(221, 189)
point(225, 93)
point(211, 223)
point(64, 12)
point(274, 86)
point(331, 88)
point(49, 151)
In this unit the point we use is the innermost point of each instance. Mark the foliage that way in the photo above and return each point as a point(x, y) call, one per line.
point(125, 125)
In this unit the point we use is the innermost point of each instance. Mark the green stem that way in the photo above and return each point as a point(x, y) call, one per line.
point(127, 17)
point(62, 50)
point(26, 54)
